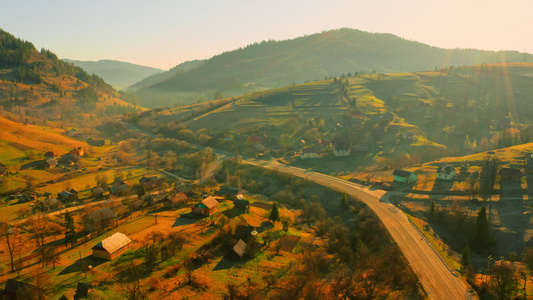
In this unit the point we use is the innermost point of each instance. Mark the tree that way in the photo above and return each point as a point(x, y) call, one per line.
point(527, 259)
point(344, 201)
point(465, 258)
point(10, 237)
point(274, 213)
point(70, 233)
point(504, 280)
point(431, 212)
point(481, 230)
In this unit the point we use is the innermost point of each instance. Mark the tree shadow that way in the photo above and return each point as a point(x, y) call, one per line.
point(265, 225)
point(510, 188)
point(183, 221)
point(76, 266)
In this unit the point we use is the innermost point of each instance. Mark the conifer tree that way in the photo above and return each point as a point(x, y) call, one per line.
point(431, 212)
point(70, 234)
point(481, 230)
point(465, 257)
point(344, 201)
point(274, 213)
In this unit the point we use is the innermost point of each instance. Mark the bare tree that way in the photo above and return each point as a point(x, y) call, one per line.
point(38, 227)
point(527, 259)
point(10, 237)
point(504, 280)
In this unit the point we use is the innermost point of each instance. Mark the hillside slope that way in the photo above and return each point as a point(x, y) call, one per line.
point(117, 73)
point(38, 88)
point(160, 77)
point(271, 64)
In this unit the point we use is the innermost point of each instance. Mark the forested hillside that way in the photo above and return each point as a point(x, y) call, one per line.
point(271, 64)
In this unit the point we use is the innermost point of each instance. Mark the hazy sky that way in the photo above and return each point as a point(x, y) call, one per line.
point(163, 34)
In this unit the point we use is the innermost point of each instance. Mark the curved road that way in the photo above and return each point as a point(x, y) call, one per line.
point(439, 281)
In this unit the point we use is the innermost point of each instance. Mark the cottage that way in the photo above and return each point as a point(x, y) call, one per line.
point(72, 132)
point(112, 246)
point(78, 151)
point(404, 176)
point(240, 248)
point(446, 172)
point(49, 155)
point(96, 142)
point(66, 196)
point(245, 232)
point(119, 187)
point(242, 205)
point(311, 152)
point(150, 183)
point(176, 199)
point(17, 290)
point(207, 207)
point(97, 191)
point(50, 163)
point(511, 174)
point(154, 197)
point(341, 146)
point(227, 191)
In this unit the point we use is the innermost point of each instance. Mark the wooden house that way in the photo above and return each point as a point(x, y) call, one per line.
point(176, 199)
point(97, 191)
point(511, 174)
point(341, 146)
point(112, 246)
point(50, 163)
point(49, 155)
point(242, 205)
point(150, 183)
point(207, 207)
point(311, 152)
point(78, 151)
point(404, 176)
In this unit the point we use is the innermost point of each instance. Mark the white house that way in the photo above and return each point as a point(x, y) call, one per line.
point(404, 176)
point(310, 153)
point(341, 146)
point(446, 172)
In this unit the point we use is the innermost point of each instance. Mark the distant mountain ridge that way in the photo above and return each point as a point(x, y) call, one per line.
point(117, 73)
point(160, 77)
point(271, 64)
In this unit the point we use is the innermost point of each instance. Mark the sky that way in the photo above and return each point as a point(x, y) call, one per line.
point(164, 33)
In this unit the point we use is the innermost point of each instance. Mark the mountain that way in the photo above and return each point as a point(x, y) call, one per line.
point(38, 88)
point(163, 76)
point(271, 64)
point(117, 73)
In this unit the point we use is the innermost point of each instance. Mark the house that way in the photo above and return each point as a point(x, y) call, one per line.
point(72, 132)
point(49, 155)
point(96, 142)
point(50, 163)
point(150, 183)
point(97, 191)
point(245, 232)
point(176, 199)
point(240, 248)
point(18, 290)
point(74, 192)
point(66, 196)
point(207, 207)
point(154, 197)
point(341, 146)
point(78, 151)
point(404, 176)
point(112, 246)
point(511, 174)
point(69, 295)
point(242, 205)
point(446, 172)
point(119, 187)
point(83, 289)
point(311, 152)
point(227, 191)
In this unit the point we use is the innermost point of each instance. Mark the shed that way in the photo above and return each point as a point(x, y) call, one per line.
point(207, 207)
point(240, 248)
point(112, 246)
point(242, 205)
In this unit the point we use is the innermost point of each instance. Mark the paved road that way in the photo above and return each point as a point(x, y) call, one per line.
point(436, 277)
